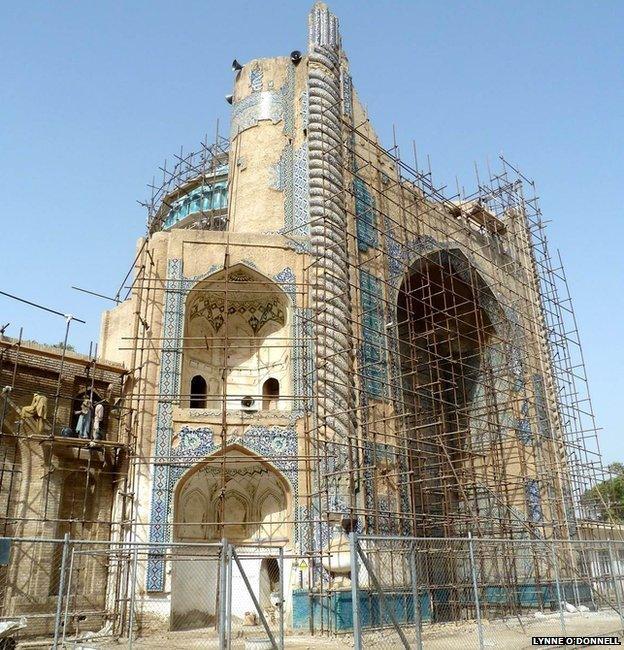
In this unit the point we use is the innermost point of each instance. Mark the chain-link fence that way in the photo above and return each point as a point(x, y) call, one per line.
point(477, 593)
point(88, 594)
point(401, 593)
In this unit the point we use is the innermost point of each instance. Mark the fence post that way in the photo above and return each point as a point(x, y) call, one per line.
point(135, 563)
point(59, 602)
point(473, 571)
point(616, 582)
point(558, 585)
point(228, 599)
point(69, 579)
point(355, 592)
point(417, 612)
point(223, 596)
point(281, 596)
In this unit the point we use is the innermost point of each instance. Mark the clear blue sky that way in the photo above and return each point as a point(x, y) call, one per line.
point(94, 95)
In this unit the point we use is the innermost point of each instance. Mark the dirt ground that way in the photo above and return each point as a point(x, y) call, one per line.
point(512, 634)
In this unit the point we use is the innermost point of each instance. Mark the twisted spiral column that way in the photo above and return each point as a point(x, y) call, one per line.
point(330, 297)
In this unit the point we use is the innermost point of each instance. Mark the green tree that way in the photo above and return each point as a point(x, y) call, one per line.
point(68, 347)
point(606, 500)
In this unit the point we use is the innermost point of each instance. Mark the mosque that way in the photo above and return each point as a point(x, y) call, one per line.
point(318, 341)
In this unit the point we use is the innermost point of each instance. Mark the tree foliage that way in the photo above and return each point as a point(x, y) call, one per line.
point(68, 347)
point(606, 500)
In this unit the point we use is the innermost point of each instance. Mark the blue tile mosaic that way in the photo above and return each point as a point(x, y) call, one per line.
point(533, 499)
point(541, 410)
point(374, 344)
point(365, 217)
point(255, 78)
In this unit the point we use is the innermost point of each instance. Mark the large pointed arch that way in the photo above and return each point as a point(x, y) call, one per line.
point(450, 327)
point(245, 477)
point(467, 270)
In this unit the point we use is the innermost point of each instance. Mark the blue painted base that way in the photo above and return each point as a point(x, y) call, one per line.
point(534, 596)
point(315, 612)
point(335, 611)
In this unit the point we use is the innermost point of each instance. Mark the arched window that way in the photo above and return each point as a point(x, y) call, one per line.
point(270, 394)
point(76, 510)
point(198, 392)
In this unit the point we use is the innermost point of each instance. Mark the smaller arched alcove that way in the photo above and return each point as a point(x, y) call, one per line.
point(270, 394)
point(233, 494)
point(235, 327)
point(199, 389)
point(253, 504)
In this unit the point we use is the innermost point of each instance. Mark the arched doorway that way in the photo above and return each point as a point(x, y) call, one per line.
point(269, 583)
point(444, 331)
point(233, 494)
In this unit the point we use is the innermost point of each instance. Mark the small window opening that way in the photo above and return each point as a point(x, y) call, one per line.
point(270, 394)
point(198, 392)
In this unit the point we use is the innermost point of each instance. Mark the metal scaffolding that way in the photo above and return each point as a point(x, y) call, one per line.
point(456, 404)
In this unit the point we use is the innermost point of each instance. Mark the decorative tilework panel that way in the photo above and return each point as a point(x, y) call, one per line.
point(347, 95)
point(290, 175)
point(303, 359)
point(274, 105)
point(280, 171)
point(300, 209)
point(304, 102)
point(169, 388)
point(364, 215)
point(303, 530)
point(193, 444)
point(373, 334)
point(523, 430)
point(264, 105)
point(255, 78)
point(533, 499)
point(523, 424)
point(287, 281)
point(288, 99)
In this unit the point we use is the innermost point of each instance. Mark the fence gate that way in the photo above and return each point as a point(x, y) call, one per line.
point(252, 582)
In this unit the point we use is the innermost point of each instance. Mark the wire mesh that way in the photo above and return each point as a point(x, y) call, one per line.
point(476, 593)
